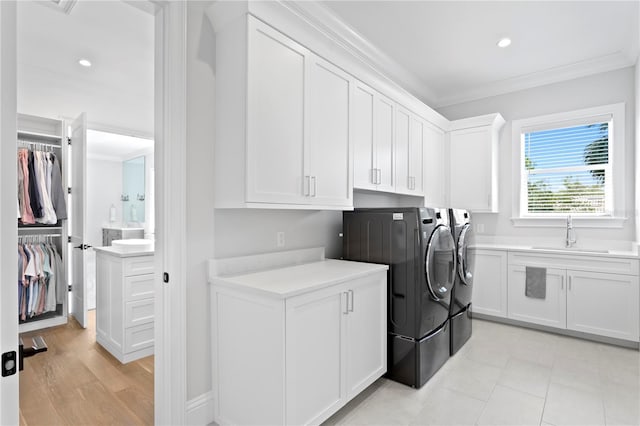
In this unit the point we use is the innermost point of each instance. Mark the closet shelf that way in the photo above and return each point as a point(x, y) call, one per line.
point(38, 227)
point(40, 137)
point(36, 323)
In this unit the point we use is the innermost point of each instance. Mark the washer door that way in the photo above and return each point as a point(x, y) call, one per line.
point(465, 260)
point(440, 262)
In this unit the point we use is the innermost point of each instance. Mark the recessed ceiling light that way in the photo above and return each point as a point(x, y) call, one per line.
point(504, 42)
point(85, 62)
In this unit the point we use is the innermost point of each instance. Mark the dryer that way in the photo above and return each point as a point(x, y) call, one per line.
point(418, 246)
point(460, 308)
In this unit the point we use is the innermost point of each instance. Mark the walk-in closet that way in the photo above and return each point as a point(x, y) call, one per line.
point(85, 168)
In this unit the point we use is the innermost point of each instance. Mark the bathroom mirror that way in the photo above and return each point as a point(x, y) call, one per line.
point(133, 190)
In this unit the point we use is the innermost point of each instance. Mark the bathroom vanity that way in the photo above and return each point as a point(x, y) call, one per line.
point(125, 300)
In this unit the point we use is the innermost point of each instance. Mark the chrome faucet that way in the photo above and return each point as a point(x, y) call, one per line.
point(571, 235)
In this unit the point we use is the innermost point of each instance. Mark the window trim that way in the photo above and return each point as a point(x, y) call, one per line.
point(616, 164)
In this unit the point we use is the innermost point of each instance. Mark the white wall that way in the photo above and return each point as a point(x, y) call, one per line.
point(104, 187)
point(248, 231)
point(200, 231)
point(601, 89)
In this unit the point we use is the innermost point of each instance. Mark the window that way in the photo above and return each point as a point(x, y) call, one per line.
point(567, 169)
point(565, 164)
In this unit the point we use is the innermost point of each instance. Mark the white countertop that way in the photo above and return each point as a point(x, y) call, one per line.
point(557, 250)
point(128, 252)
point(295, 280)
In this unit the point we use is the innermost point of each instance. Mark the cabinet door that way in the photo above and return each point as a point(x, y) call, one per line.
point(364, 174)
point(275, 116)
point(327, 181)
point(366, 333)
point(603, 304)
point(402, 142)
point(471, 168)
point(315, 355)
point(384, 140)
point(490, 282)
point(416, 136)
point(550, 311)
point(434, 166)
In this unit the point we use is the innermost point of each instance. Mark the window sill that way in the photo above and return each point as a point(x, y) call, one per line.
point(561, 222)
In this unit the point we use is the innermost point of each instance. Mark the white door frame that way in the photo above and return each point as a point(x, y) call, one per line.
point(170, 183)
point(170, 146)
point(9, 399)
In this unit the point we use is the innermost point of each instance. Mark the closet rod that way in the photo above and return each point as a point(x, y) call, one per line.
point(20, 237)
point(26, 142)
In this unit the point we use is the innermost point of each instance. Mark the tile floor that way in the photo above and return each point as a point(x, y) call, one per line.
point(508, 375)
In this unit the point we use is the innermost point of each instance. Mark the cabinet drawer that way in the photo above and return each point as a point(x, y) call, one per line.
point(138, 265)
point(138, 337)
point(138, 312)
point(138, 287)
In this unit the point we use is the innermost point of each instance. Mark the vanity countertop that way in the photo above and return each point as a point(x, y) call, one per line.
point(125, 252)
point(127, 228)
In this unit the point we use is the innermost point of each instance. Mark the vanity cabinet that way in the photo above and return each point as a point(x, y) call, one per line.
point(473, 163)
point(409, 136)
point(125, 303)
point(489, 291)
point(373, 136)
point(581, 294)
point(283, 136)
point(290, 354)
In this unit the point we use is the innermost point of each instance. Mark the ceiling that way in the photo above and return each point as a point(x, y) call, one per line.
point(449, 47)
point(444, 52)
point(116, 92)
point(109, 146)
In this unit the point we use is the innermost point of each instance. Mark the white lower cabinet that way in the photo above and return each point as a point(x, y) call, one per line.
point(125, 304)
point(550, 311)
point(604, 304)
point(490, 282)
point(300, 359)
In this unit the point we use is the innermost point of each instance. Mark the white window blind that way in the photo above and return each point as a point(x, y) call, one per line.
point(567, 169)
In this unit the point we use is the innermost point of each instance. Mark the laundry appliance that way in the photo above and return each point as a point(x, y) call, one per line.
point(418, 246)
point(460, 308)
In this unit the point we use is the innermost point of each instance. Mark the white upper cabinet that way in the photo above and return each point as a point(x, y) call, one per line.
point(289, 146)
point(373, 131)
point(434, 166)
point(473, 163)
point(327, 151)
point(275, 116)
point(409, 146)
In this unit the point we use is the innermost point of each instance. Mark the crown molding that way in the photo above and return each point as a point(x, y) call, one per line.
point(572, 71)
point(329, 23)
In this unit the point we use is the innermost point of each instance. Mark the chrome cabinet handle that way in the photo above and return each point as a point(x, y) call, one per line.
point(315, 186)
point(374, 176)
point(569, 282)
point(307, 185)
point(561, 283)
point(351, 293)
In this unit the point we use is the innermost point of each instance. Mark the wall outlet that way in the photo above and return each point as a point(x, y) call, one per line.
point(279, 239)
point(479, 228)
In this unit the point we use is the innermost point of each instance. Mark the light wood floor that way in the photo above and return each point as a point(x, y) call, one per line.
point(77, 382)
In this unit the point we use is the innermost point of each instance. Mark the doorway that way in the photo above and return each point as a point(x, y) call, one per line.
point(70, 61)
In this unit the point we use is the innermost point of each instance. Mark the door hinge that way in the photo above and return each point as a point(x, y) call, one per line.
point(165, 277)
point(9, 363)
point(70, 287)
point(68, 239)
point(69, 190)
point(68, 140)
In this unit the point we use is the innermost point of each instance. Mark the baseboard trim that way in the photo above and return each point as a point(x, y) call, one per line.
point(577, 334)
point(200, 409)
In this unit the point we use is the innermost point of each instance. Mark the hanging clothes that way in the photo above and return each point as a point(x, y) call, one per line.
point(41, 279)
point(41, 196)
